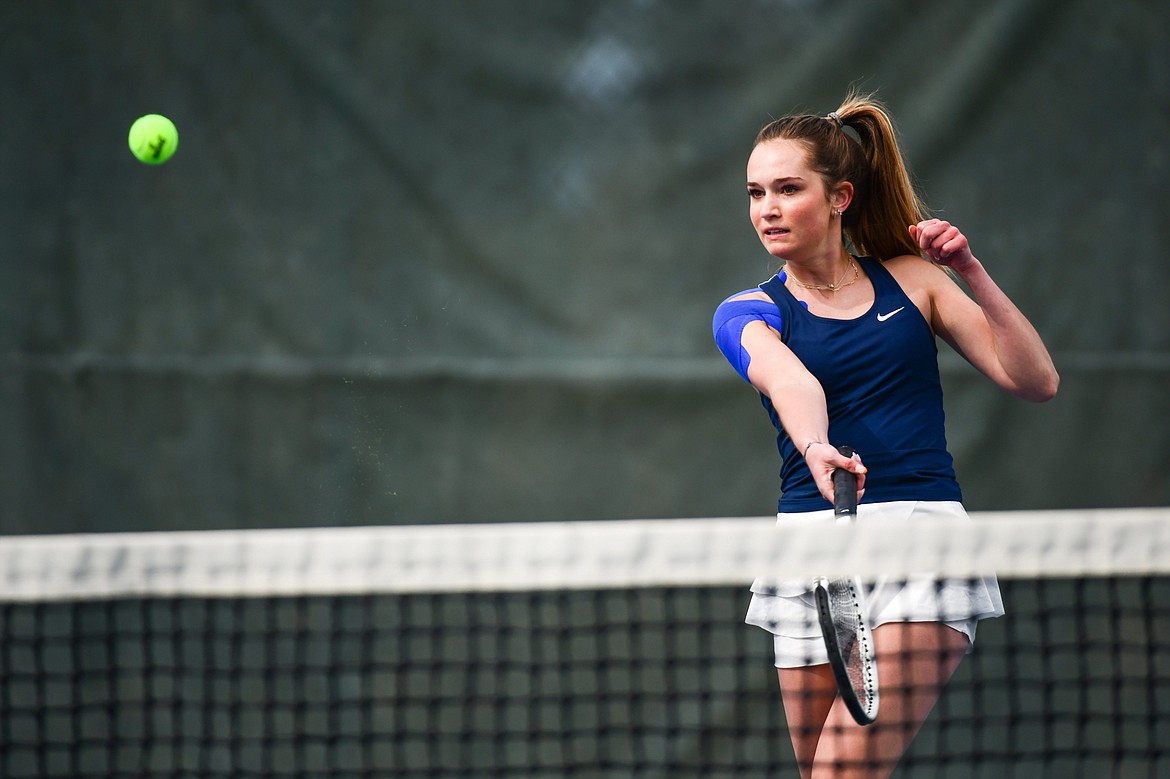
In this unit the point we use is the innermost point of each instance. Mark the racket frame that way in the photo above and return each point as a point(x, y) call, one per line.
point(845, 509)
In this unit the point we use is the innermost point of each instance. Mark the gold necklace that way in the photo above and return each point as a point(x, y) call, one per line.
point(829, 287)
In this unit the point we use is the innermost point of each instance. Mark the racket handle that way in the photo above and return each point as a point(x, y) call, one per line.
point(844, 488)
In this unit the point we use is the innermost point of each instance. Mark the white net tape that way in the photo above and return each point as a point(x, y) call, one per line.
point(570, 555)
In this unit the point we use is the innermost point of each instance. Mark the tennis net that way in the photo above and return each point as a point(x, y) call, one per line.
point(582, 649)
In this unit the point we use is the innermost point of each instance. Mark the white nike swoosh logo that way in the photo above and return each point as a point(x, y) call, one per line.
point(884, 317)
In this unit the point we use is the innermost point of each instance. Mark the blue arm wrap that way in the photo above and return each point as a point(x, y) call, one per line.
point(731, 318)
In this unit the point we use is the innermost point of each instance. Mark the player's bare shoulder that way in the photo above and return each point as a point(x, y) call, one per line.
point(914, 273)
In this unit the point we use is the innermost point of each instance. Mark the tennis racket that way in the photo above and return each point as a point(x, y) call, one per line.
point(842, 614)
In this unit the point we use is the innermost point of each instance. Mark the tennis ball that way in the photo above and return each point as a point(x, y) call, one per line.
point(153, 139)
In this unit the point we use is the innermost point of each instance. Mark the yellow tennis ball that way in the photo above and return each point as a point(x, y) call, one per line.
point(153, 139)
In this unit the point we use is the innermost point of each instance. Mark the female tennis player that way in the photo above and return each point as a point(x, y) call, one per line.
point(841, 346)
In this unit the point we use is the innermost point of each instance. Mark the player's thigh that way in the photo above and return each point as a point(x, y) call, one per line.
point(808, 694)
point(915, 660)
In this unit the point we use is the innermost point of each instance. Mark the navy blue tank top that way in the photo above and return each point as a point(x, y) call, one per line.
point(881, 381)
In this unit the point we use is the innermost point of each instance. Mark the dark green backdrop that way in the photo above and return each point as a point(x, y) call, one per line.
point(456, 261)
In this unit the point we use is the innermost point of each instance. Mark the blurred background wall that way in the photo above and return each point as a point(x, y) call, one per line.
point(451, 261)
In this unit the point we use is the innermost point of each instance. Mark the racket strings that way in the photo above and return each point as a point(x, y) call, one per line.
point(854, 640)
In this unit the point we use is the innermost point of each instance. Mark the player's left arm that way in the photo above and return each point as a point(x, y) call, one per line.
point(987, 328)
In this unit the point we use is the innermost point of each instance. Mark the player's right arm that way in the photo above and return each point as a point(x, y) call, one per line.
point(799, 401)
point(778, 374)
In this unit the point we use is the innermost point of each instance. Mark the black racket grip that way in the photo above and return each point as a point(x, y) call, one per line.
point(844, 488)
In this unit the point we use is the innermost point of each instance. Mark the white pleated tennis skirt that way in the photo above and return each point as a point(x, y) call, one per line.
point(786, 608)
